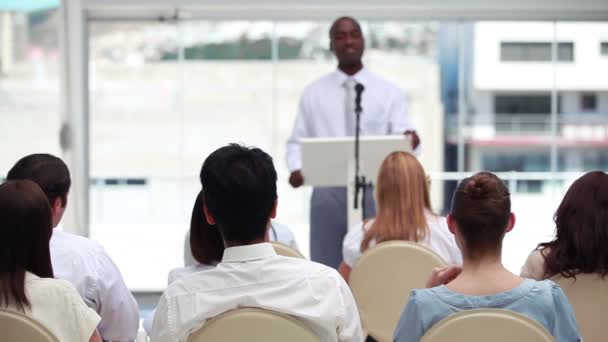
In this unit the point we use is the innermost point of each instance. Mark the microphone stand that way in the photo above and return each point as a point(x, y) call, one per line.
point(360, 182)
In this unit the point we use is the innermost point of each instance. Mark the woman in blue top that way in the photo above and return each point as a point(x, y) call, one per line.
point(479, 219)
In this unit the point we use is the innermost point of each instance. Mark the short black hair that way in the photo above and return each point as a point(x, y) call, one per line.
point(49, 172)
point(335, 23)
point(240, 189)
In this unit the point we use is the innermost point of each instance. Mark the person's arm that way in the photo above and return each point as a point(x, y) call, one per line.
point(344, 271)
point(160, 331)
point(349, 323)
point(294, 151)
point(534, 267)
point(95, 337)
point(351, 250)
point(443, 275)
point(400, 121)
point(410, 327)
point(565, 327)
point(116, 306)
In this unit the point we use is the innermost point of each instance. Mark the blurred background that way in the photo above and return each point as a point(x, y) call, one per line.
point(527, 99)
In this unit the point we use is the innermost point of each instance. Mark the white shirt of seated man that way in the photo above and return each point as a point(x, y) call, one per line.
point(85, 263)
point(255, 276)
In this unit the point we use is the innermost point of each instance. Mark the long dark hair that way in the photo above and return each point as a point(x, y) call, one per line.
point(481, 207)
point(26, 229)
point(581, 229)
point(206, 243)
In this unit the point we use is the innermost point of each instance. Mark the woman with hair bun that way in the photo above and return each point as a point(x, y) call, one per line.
point(479, 219)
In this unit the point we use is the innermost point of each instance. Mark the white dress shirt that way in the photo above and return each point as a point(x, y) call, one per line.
point(58, 306)
point(85, 264)
point(255, 276)
point(439, 240)
point(321, 111)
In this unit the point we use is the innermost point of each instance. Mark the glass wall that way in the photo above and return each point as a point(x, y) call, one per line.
point(519, 98)
point(30, 118)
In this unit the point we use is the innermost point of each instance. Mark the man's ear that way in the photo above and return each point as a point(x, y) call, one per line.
point(511, 223)
point(208, 215)
point(451, 224)
point(273, 212)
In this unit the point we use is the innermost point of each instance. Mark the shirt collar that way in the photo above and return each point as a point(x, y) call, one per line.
point(360, 76)
point(248, 252)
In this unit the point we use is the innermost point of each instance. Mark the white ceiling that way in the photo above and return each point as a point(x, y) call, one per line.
point(370, 9)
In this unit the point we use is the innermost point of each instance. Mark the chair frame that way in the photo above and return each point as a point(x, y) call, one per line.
point(31, 323)
point(430, 335)
point(285, 250)
point(359, 281)
point(195, 336)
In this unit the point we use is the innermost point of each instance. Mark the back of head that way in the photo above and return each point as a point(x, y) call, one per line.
point(402, 197)
point(206, 243)
point(26, 229)
point(49, 172)
point(581, 223)
point(481, 207)
point(240, 190)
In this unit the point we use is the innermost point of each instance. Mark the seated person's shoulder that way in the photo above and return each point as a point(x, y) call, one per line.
point(66, 242)
point(55, 290)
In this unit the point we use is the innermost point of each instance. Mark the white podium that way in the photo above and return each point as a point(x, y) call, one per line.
point(331, 162)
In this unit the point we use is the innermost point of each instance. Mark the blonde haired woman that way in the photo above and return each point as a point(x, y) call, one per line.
point(404, 213)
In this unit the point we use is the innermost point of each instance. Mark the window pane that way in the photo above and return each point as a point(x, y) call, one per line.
point(29, 85)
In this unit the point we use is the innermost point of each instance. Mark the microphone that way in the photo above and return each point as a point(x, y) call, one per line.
point(358, 89)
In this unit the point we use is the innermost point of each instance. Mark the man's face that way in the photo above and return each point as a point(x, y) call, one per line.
point(347, 42)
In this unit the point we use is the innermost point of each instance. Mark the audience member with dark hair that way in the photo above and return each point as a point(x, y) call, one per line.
point(201, 241)
point(240, 199)
point(81, 261)
point(480, 217)
point(404, 213)
point(26, 274)
point(581, 239)
point(206, 244)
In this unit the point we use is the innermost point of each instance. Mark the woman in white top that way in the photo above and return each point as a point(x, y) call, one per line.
point(26, 274)
point(581, 226)
point(404, 213)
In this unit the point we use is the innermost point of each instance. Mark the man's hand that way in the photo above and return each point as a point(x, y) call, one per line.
point(414, 137)
point(296, 179)
point(443, 275)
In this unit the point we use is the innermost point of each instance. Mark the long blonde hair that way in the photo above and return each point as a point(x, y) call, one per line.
point(402, 198)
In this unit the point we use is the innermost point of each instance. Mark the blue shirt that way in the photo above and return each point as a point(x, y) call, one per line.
point(543, 301)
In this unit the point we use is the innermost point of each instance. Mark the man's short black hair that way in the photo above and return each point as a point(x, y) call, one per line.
point(49, 172)
point(240, 189)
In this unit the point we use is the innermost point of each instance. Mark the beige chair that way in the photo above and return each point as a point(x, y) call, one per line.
point(251, 324)
point(382, 279)
point(285, 250)
point(588, 296)
point(15, 327)
point(494, 325)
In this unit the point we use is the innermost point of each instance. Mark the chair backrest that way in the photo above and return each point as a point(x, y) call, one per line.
point(251, 324)
point(588, 295)
point(18, 327)
point(494, 325)
point(382, 279)
point(284, 250)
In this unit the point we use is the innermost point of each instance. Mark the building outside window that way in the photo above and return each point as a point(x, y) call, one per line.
point(535, 51)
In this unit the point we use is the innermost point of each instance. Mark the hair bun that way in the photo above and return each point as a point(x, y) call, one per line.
point(479, 189)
